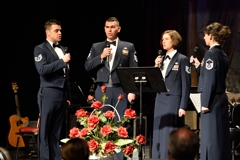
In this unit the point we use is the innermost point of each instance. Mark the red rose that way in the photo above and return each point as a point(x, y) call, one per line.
point(81, 113)
point(104, 88)
point(129, 150)
point(83, 132)
point(97, 105)
point(109, 114)
point(122, 132)
point(141, 139)
point(105, 130)
point(93, 145)
point(120, 97)
point(93, 120)
point(90, 98)
point(129, 113)
point(109, 147)
point(74, 132)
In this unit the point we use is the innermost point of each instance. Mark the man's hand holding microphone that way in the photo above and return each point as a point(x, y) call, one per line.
point(66, 58)
point(106, 52)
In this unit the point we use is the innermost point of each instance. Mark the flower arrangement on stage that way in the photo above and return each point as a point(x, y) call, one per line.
point(104, 135)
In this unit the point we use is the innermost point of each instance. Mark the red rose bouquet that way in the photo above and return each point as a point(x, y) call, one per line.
point(104, 135)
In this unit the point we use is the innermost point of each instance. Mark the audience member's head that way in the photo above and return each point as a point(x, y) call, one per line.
point(4, 154)
point(75, 149)
point(183, 144)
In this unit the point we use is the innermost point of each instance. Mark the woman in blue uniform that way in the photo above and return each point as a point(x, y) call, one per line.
point(214, 129)
point(170, 106)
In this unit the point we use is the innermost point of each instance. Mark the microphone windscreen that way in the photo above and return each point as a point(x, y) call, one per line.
point(108, 44)
point(195, 51)
point(66, 49)
point(160, 52)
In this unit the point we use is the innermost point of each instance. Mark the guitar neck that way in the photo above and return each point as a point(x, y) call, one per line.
point(17, 106)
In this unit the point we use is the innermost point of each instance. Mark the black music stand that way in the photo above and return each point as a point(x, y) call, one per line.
point(141, 80)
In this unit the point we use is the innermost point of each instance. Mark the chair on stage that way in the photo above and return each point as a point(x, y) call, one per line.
point(29, 135)
point(235, 128)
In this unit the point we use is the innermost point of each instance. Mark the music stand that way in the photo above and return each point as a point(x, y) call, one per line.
point(141, 80)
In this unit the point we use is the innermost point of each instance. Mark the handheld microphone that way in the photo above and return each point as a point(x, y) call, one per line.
point(107, 46)
point(131, 104)
point(65, 52)
point(160, 53)
point(194, 53)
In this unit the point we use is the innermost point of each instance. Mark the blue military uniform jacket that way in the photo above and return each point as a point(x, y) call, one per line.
point(50, 67)
point(179, 68)
point(125, 57)
point(215, 134)
point(213, 74)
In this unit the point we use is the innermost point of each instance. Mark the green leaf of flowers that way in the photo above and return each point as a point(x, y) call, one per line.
point(115, 137)
point(85, 125)
point(97, 112)
point(103, 118)
point(82, 120)
point(114, 128)
point(118, 123)
point(103, 145)
point(104, 97)
point(95, 130)
point(122, 142)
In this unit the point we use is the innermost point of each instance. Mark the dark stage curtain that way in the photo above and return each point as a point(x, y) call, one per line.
point(189, 18)
point(225, 12)
point(161, 16)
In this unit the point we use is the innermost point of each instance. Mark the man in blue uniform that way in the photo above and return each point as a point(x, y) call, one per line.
point(51, 63)
point(105, 57)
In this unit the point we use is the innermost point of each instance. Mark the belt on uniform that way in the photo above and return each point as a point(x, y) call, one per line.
point(109, 84)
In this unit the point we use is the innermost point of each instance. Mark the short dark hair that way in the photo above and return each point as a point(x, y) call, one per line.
point(75, 149)
point(112, 19)
point(51, 22)
point(183, 144)
point(175, 36)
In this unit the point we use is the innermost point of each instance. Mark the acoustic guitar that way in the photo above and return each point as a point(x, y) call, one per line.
point(16, 121)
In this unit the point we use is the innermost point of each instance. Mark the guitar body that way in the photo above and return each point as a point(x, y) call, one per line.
point(15, 124)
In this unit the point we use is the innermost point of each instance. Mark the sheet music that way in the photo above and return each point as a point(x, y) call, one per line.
point(196, 100)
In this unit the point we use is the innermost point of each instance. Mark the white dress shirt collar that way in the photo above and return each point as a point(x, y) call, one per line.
point(114, 40)
point(50, 42)
point(171, 54)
